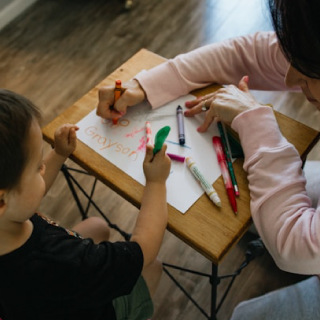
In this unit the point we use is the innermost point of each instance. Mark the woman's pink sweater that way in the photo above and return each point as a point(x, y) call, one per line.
point(280, 207)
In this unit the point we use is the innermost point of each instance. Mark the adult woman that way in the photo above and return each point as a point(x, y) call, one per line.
point(280, 206)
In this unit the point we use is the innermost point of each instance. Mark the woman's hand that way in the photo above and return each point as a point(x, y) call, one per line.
point(132, 93)
point(224, 104)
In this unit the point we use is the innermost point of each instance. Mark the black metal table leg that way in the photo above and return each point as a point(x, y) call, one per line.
point(214, 280)
point(66, 174)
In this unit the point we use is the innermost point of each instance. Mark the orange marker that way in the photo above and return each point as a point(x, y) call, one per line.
point(117, 94)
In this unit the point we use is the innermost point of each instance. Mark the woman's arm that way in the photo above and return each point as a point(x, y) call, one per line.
point(280, 207)
point(257, 56)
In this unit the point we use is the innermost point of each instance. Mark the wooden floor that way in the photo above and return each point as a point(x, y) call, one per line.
point(59, 49)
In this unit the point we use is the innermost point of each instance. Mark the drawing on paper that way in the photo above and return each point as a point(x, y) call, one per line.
point(124, 145)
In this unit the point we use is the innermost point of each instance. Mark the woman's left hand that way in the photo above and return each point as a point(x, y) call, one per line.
point(224, 104)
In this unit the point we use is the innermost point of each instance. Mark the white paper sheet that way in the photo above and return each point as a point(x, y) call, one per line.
point(123, 144)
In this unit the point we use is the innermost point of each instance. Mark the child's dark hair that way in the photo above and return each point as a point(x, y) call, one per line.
point(16, 116)
point(296, 23)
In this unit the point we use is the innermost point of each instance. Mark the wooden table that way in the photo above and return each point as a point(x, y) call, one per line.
point(209, 230)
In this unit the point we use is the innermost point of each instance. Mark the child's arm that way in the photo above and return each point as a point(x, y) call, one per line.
point(152, 220)
point(65, 142)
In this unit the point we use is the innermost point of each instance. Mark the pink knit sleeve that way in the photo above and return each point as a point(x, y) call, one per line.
point(280, 207)
point(256, 55)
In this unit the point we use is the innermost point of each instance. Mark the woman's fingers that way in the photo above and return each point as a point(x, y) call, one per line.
point(207, 122)
point(201, 106)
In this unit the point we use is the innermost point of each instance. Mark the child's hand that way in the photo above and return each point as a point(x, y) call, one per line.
point(65, 139)
point(156, 168)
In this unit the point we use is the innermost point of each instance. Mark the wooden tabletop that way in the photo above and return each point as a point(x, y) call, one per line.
point(208, 229)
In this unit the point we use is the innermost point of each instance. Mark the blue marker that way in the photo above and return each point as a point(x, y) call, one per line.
point(180, 126)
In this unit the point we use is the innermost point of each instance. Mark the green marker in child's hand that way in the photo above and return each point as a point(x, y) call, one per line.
point(160, 138)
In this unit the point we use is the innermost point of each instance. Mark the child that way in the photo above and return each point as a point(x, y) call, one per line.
point(47, 272)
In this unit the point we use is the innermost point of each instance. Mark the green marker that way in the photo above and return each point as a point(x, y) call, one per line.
point(160, 138)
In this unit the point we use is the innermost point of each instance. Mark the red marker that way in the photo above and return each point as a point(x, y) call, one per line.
point(149, 133)
point(225, 173)
point(117, 94)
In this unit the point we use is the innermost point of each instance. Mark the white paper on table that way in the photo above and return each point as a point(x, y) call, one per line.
point(124, 144)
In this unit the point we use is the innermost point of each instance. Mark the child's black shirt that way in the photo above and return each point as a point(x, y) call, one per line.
point(58, 275)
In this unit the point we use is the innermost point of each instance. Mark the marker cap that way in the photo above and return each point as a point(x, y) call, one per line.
point(215, 199)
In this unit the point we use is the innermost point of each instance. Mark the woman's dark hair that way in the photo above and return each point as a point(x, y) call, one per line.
point(16, 116)
point(297, 25)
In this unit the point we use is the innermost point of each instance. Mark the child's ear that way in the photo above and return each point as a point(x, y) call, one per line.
point(3, 202)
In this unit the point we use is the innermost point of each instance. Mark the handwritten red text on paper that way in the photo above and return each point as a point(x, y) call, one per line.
point(109, 144)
